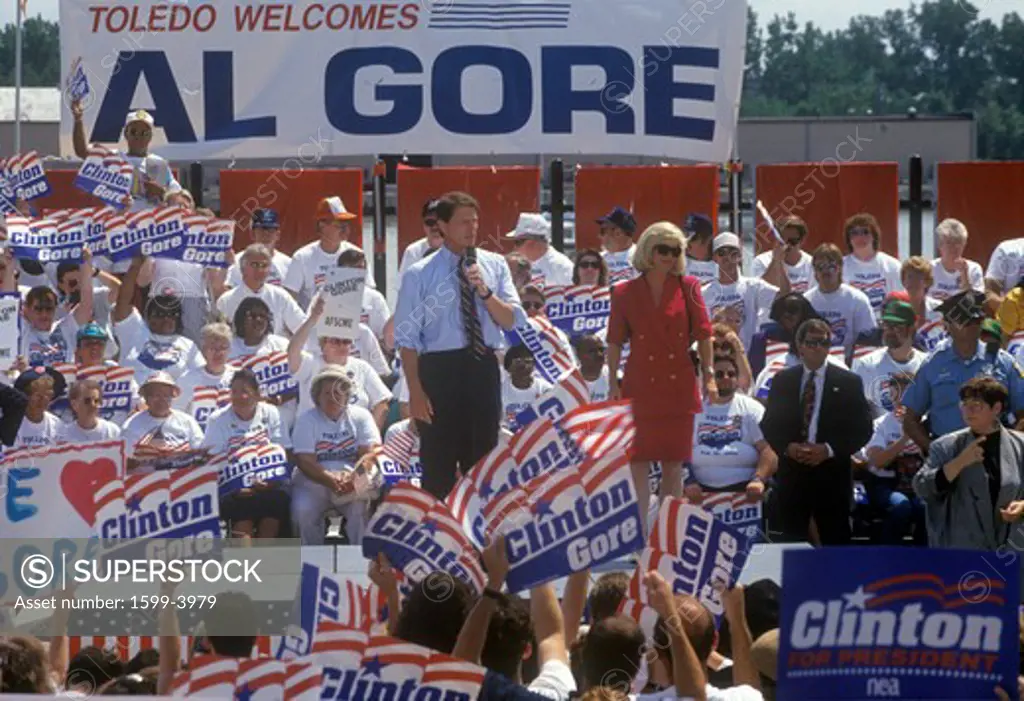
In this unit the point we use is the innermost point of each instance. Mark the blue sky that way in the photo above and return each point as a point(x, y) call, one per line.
point(829, 15)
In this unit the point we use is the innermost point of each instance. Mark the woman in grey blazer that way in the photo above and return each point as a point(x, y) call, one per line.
point(973, 480)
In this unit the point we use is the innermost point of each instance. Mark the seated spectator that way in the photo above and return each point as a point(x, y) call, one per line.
point(617, 230)
point(520, 268)
point(532, 238)
point(866, 267)
point(253, 323)
point(160, 438)
point(729, 452)
point(255, 264)
point(916, 277)
point(44, 341)
point(725, 343)
point(796, 262)
point(265, 230)
point(751, 297)
point(590, 268)
point(787, 313)
point(533, 300)
point(330, 442)
point(590, 356)
point(700, 233)
point(156, 343)
point(846, 309)
point(952, 272)
point(262, 508)
point(104, 294)
point(86, 426)
point(893, 460)
point(39, 427)
point(205, 388)
point(368, 390)
point(431, 241)
point(520, 386)
point(878, 368)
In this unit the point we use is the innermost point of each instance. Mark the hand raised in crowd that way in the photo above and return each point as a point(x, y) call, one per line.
point(495, 558)
point(317, 309)
point(383, 574)
point(693, 493)
point(710, 388)
point(732, 601)
point(659, 594)
point(1013, 511)
point(77, 111)
point(755, 491)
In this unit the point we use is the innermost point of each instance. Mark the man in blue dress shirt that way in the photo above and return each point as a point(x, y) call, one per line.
point(936, 388)
point(451, 310)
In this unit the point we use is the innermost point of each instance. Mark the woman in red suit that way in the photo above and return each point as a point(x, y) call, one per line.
point(661, 313)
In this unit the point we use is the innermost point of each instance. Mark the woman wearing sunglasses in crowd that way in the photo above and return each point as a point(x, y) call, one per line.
point(158, 342)
point(866, 268)
point(590, 268)
point(533, 300)
point(726, 344)
point(661, 314)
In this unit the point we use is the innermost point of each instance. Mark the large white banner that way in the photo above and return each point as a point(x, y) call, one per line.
point(307, 79)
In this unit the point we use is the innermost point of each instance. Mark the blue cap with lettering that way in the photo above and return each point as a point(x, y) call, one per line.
point(92, 330)
point(265, 219)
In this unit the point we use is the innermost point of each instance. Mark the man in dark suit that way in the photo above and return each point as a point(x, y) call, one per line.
point(816, 418)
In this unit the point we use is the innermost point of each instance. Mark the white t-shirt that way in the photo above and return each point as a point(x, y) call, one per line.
point(147, 352)
point(202, 393)
point(283, 307)
point(240, 352)
point(226, 430)
point(1006, 266)
point(876, 278)
point(751, 297)
point(57, 346)
point(186, 279)
point(414, 252)
point(888, 430)
point(71, 432)
point(151, 166)
point(723, 441)
point(555, 681)
point(335, 444)
point(801, 275)
point(309, 269)
point(375, 312)
point(847, 310)
point(599, 387)
point(177, 431)
point(278, 270)
point(514, 400)
point(947, 283)
point(706, 271)
point(620, 265)
point(553, 269)
point(733, 693)
point(933, 332)
point(35, 435)
point(366, 347)
point(876, 370)
point(367, 388)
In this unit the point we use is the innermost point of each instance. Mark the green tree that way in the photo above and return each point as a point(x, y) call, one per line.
point(40, 54)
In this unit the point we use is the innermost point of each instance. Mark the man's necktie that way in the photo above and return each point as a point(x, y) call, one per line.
point(470, 320)
point(807, 405)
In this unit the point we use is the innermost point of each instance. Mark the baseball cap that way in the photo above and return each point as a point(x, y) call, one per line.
point(161, 378)
point(34, 373)
point(531, 225)
point(898, 312)
point(139, 116)
point(90, 331)
point(333, 208)
point(697, 224)
point(621, 218)
point(265, 219)
point(993, 327)
point(963, 306)
point(726, 239)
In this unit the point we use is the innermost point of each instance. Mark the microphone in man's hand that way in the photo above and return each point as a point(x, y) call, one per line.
point(470, 256)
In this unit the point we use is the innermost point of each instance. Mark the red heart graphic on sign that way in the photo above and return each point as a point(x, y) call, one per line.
point(79, 481)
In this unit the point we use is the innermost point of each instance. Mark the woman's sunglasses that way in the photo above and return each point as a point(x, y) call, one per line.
point(589, 264)
point(665, 250)
point(533, 305)
point(724, 374)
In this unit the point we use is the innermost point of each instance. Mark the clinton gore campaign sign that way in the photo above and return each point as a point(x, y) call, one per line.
point(907, 623)
point(655, 77)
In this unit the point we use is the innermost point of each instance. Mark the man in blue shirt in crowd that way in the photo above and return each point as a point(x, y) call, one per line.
point(451, 310)
point(936, 388)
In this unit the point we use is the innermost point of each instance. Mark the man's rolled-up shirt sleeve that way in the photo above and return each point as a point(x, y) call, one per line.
point(408, 319)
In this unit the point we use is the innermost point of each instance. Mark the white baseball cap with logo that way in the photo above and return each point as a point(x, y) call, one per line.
point(139, 116)
point(725, 240)
point(161, 378)
point(531, 225)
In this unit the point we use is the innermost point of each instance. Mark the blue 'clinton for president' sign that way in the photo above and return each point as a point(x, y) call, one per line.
point(862, 623)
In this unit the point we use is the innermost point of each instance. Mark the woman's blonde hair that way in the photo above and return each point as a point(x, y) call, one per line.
point(659, 232)
point(951, 230)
